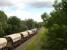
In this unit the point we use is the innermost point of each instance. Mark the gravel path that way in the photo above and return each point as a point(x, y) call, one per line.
point(22, 46)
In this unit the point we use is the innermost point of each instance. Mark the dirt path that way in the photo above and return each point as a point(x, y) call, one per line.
point(22, 46)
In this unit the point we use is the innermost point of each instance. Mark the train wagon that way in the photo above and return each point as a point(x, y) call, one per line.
point(30, 32)
point(9, 42)
point(25, 35)
point(34, 31)
point(13, 40)
point(3, 43)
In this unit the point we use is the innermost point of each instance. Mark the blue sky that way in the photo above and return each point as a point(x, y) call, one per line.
point(25, 9)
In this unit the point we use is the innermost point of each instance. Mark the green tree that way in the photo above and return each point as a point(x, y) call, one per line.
point(30, 24)
point(3, 23)
point(45, 18)
point(13, 25)
point(57, 27)
point(23, 26)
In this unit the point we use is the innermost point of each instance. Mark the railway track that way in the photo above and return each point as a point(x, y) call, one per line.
point(23, 45)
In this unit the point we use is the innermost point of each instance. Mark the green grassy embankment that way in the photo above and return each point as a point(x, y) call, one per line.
point(37, 42)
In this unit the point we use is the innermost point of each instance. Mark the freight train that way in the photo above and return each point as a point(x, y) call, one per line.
point(9, 42)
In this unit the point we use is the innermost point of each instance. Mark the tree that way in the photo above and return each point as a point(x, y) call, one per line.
point(23, 26)
point(45, 18)
point(2, 33)
point(57, 27)
point(3, 23)
point(30, 24)
point(13, 25)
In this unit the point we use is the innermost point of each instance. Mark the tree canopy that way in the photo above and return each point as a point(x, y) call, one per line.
point(14, 25)
point(57, 27)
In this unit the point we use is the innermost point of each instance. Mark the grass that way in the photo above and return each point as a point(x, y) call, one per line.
point(36, 43)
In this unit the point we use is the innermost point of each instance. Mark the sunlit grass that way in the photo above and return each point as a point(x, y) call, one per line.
point(36, 43)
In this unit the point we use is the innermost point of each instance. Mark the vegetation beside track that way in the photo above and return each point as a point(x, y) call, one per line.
point(37, 42)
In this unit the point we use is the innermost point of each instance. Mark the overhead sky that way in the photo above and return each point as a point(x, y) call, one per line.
point(25, 9)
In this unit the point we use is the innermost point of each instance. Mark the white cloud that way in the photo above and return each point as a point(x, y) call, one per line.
point(5, 3)
point(25, 15)
point(24, 1)
point(20, 6)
